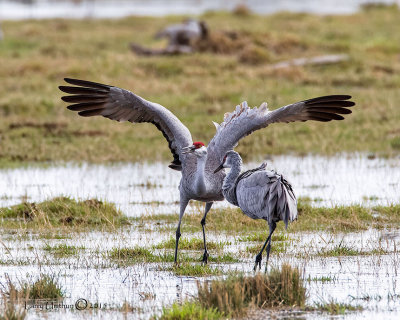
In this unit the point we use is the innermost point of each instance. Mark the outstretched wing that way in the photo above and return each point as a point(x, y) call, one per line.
point(245, 120)
point(95, 99)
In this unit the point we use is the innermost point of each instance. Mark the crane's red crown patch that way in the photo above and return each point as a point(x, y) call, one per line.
point(198, 144)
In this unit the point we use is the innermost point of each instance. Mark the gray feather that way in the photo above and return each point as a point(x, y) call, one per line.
point(260, 193)
point(244, 120)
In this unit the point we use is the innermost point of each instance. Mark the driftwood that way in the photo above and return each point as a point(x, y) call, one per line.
point(327, 59)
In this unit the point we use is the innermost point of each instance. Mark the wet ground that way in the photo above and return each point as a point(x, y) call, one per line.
point(369, 279)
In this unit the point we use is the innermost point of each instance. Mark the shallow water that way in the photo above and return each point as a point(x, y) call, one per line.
point(39, 9)
point(153, 188)
point(370, 280)
point(367, 280)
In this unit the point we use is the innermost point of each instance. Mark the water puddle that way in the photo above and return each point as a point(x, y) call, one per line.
point(140, 189)
point(45, 9)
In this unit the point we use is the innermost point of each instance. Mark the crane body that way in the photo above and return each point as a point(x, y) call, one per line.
point(260, 194)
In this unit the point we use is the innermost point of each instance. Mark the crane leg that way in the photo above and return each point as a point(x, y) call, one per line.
point(268, 241)
point(203, 223)
point(183, 205)
point(272, 227)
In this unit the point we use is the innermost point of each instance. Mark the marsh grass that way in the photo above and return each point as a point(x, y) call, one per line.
point(137, 254)
point(11, 308)
point(225, 258)
point(336, 308)
point(37, 54)
point(322, 279)
point(190, 244)
point(335, 219)
point(345, 250)
point(235, 294)
point(262, 236)
point(53, 235)
point(194, 270)
point(62, 250)
point(189, 311)
point(127, 256)
point(276, 247)
point(45, 287)
point(63, 212)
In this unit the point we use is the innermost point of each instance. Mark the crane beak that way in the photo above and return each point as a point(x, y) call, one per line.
point(188, 149)
point(219, 168)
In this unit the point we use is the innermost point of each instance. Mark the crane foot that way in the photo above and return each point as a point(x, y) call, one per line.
point(258, 262)
point(205, 257)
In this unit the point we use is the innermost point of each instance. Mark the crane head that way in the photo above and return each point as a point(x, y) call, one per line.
point(230, 158)
point(195, 146)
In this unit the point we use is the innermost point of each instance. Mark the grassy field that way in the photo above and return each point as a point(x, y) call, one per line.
point(36, 55)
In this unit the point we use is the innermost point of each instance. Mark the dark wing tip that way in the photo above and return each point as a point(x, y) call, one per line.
point(334, 97)
point(90, 113)
point(87, 84)
point(327, 108)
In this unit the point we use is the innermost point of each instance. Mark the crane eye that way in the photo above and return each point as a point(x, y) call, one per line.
point(225, 158)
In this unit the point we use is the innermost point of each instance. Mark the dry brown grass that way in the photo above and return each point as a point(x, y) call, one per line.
point(234, 295)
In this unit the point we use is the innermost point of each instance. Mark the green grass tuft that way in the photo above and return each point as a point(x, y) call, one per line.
point(62, 249)
point(189, 311)
point(63, 212)
point(45, 287)
point(336, 308)
point(226, 258)
point(340, 250)
point(137, 254)
point(344, 250)
point(194, 270)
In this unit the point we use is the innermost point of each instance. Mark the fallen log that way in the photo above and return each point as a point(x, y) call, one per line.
point(319, 60)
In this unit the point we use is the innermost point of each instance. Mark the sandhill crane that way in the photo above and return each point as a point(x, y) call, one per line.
point(196, 161)
point(260, 194)
point(185, 33)
point(181, 38)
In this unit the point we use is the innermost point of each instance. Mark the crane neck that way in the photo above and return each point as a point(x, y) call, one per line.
point(228, 187)
point(200, 181)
